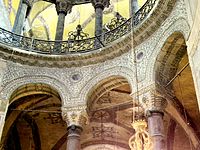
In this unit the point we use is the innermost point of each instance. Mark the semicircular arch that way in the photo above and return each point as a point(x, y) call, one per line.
point(13, 85)
point(121, 72)
point(179, 26)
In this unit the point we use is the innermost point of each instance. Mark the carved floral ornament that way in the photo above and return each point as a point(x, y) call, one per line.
point(75, 115)
point(151, 100)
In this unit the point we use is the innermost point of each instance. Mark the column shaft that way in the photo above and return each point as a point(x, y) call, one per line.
point(156, 130)
point(73, 139)
point(60, 26)
point(98, 21)
point(20, 18)
point(134, 6)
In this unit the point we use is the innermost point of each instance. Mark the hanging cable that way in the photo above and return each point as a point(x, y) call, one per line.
point(141, 139)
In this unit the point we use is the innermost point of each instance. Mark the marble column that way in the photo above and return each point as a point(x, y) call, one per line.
point(73, 138)
point(63, 7)
point(99, 6)
point(155, 105)
point(133, 7)
point(156, 129)
point(22, 13)
point(76, 118)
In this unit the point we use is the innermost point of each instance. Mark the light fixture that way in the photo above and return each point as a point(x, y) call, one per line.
point(141, 139)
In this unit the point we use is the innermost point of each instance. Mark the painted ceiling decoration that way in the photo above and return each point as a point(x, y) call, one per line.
point(42, 20)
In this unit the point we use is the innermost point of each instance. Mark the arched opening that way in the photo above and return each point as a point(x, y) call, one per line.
point(110, 109)
point(173, 76)
point(33, 119)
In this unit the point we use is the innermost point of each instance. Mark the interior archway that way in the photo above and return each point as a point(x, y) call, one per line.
point(33, 119)
point(110, 109)
point(173, 75)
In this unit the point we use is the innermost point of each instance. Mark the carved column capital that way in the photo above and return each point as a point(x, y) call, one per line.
point(155, 102)
point(100, 3)
point(63, 6)
point(151, 100)
point(75, 115)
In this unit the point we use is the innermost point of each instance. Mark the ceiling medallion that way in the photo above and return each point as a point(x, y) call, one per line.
point(141, 139)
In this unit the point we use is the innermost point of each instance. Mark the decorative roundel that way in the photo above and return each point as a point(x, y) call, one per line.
point(140, 55)
point(76, 77)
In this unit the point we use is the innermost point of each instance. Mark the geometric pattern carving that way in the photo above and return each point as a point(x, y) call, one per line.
point(101, 116)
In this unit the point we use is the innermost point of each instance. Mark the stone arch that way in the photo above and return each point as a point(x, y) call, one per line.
point(13, 85)
point(163, 67)
point(180, 26)
point(168, 59)
point(121, 71)
point(33, 89)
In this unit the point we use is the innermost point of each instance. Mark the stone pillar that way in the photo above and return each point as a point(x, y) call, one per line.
point(73, 138)
point(154, 113)
point(99, 6)
point(156, 129)
point(133, 7)
point(76, 118)
point(63, 7)
point(22, 13)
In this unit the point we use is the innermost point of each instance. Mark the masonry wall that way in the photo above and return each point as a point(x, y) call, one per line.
point(193, 42)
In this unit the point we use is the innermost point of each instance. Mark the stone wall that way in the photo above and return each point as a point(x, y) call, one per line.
point(193, 44)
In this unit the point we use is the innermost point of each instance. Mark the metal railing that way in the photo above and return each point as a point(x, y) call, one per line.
point(76, 46)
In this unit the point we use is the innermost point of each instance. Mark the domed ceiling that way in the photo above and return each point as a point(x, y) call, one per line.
point(42, 20)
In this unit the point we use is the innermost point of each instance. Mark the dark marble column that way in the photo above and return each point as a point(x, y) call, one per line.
point(63, 7)
point(133, 6)
point(22, 13)
point(73, 138)
point(99, 6)
point(155, 106)
point(156, 129)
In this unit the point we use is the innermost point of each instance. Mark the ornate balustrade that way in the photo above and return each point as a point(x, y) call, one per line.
point(76, 46)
